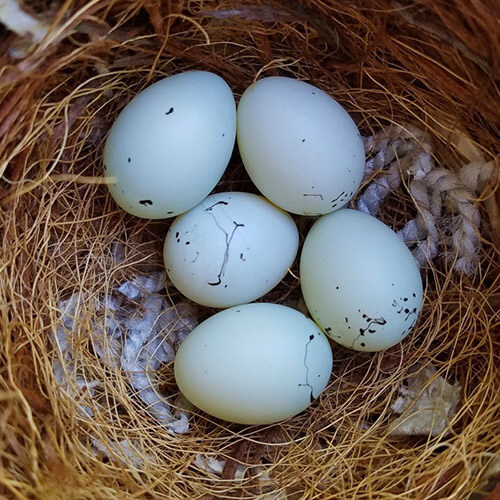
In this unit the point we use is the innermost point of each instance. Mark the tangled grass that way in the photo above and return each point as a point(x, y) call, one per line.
point(431, 64)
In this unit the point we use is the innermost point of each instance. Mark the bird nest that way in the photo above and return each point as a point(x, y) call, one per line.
point(78, 420)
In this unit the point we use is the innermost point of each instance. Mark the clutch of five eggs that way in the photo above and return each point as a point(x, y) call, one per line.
point(168, 149)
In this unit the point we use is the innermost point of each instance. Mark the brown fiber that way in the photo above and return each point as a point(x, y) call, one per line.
point(434, 64)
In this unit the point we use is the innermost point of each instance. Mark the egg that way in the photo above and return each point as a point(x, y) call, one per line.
point(254, 364)
point(359, 281)
point(299, 146)
point(230, 249)
point(170, 145)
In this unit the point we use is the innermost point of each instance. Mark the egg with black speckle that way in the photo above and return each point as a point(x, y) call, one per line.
point(299, 146)
point(360, 282)
point(254, 364)
point(230, 249)
point(170, 145)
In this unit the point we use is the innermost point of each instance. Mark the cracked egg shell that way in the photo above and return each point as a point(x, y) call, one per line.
point(360, 282)
point(299, 146)
point(254, 364)
point(170, 145)
point(230, 249)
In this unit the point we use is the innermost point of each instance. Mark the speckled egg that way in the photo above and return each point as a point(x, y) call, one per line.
point(170, 145)
point(359, 280)
point(230, 249)
point(299, 146)
point(254, 364)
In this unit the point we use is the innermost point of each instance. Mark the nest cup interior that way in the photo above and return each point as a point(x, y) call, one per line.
point(429, 65)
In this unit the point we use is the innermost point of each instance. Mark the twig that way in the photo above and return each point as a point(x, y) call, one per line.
point(264, 13)
point(289, 12)
point(457, 44)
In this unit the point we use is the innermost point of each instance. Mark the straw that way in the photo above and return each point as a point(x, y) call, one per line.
point(431, 65)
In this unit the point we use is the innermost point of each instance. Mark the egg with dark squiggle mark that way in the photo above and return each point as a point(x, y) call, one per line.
point(230, 249)
point(254, 364)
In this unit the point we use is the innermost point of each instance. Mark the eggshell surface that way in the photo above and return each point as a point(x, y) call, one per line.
point(230, 249)
point(170, 145)
point(359, 280)
point(254, 364)
point(299, 146)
